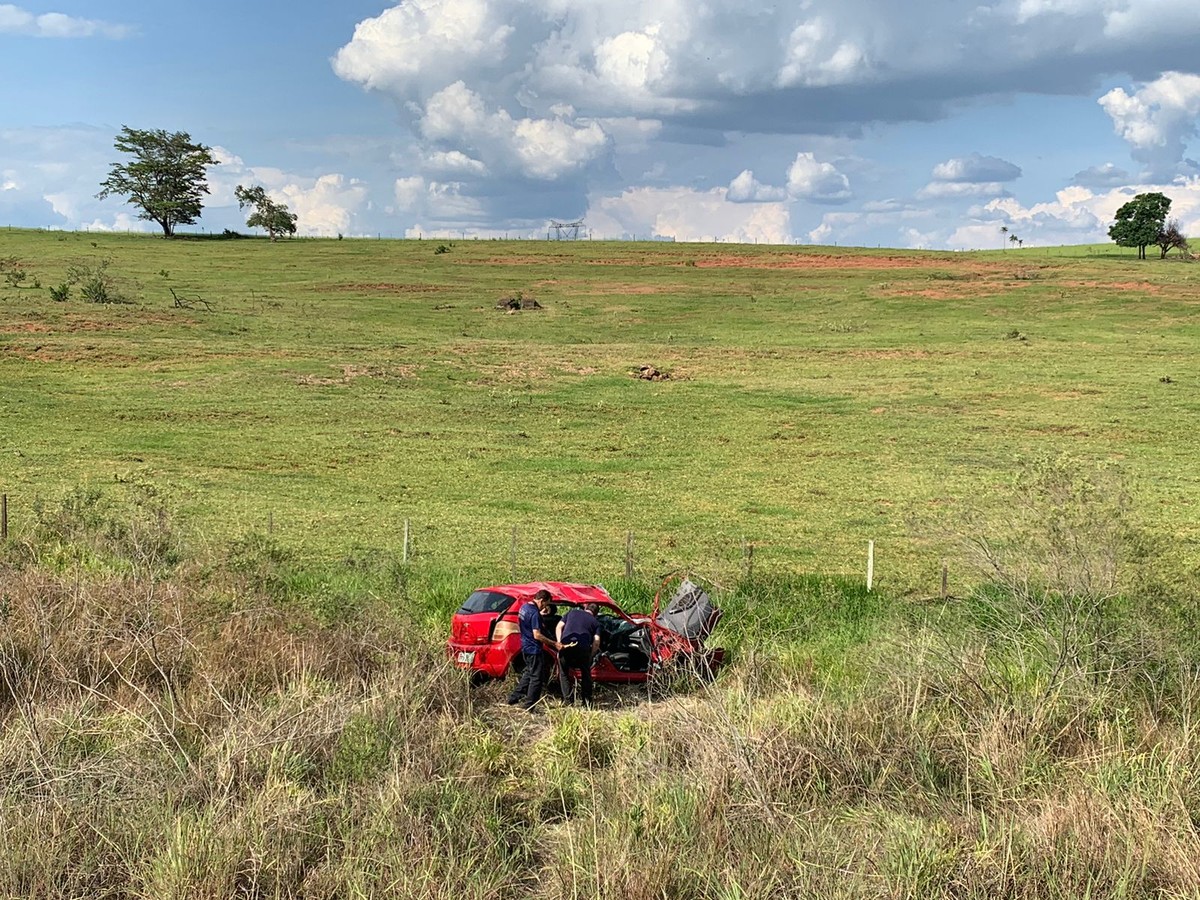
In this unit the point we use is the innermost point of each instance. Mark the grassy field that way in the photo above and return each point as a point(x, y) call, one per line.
point(819, 397)
point(218, 677)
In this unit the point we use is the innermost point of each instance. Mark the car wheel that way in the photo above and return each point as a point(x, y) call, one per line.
point(479, 679)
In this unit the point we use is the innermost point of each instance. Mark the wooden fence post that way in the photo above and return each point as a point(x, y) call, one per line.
point(748, 556)
point(3, 517)
point(406, 541)
point(870, 565)
point(629, 556)
point(945, 580)
point(512, 554)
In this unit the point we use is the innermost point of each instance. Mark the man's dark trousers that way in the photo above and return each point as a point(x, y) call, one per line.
point(575, 658)
point(533, 679)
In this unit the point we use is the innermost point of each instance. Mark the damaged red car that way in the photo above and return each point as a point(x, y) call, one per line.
point(484, 637)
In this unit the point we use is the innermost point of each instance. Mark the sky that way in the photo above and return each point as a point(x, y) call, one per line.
point(926, 124)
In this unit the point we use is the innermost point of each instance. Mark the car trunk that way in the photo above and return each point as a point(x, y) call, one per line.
point(476, 619)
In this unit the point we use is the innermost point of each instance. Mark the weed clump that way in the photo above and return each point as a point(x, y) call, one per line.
point(96, 283)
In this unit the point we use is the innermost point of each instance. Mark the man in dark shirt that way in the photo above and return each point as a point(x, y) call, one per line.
point(578, 642)
point(533, 644)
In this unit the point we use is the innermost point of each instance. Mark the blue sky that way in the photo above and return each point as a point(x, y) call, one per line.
point(923, 124)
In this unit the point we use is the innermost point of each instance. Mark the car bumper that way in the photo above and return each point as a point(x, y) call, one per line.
point(492, 661)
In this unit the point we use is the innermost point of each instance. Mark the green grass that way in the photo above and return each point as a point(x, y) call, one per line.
point(821, 397)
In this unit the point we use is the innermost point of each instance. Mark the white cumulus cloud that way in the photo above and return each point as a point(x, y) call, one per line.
point(540, 148)
point(953, 189)
point(745, 188)
point(687, 215)
point(976, 168)
point(815, 181)
point(16, 20)
point(418, 39)
point(326, 205)
point(1157, 119)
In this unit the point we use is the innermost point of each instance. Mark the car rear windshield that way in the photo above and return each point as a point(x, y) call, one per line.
point(487, 602)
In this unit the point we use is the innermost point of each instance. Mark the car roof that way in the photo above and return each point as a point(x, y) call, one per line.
point(560, 591)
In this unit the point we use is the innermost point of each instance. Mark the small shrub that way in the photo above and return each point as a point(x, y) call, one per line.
point(441, 248)
point(96, 283)
point(61, 294)
point(14, 271)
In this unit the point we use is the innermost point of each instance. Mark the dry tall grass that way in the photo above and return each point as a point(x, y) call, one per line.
point(172, 729)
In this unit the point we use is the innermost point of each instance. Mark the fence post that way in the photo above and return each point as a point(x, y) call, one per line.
point(270, 521)
point(748, 556)
point(512, 554)
point(3, 517)
point(406, 541)
point(945, 580)
point(629, 556)
point(870, 565)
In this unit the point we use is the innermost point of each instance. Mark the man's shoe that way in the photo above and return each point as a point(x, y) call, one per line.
point(513, 701)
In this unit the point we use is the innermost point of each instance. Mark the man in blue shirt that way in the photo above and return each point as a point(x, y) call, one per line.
point(533, 644)
point(578, 642)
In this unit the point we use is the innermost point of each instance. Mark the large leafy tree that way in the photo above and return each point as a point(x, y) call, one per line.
point(276, 218)
point(166, 177)
point(1140, 221)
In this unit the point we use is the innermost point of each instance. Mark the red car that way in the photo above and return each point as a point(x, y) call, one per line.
point(484, 636)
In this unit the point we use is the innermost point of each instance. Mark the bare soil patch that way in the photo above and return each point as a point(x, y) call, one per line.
point(619, 289)
point(383, 287)
point(1143, 287)
point(813, 261)
point(353, 373)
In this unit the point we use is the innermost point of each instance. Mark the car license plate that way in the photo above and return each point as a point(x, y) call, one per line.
point(466, 657)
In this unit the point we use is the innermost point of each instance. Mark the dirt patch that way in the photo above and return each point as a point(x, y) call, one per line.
point(883, 354)
point(1071, 395)
point(1143, 287)
point(949, 292)
point(548, 259)
point(86, 354)
point(383, 287)
point(353, 373)
point(814, 261)
point(74, 324)
point(604, 290)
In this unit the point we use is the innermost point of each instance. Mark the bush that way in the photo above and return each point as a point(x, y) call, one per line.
point(61, 294)
point(96, 282)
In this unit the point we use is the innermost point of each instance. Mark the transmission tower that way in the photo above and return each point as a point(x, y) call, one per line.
point(566, 231)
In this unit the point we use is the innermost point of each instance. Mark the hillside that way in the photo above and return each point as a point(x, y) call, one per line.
point(818, 397)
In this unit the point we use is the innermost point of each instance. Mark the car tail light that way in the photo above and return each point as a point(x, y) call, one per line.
point(503, 629)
